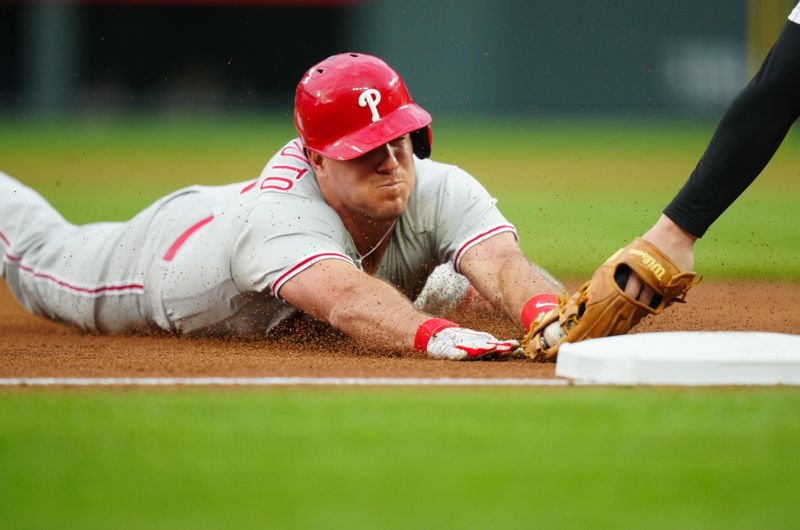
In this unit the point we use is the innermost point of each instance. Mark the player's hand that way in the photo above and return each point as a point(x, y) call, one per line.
point(676, 243)
point(637, 289)
point(462, 343)
point(442, 339)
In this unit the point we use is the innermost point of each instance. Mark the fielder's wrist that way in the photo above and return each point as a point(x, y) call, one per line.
point(535, 307)
point(428, 329)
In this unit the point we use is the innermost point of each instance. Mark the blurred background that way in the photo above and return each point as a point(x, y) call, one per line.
point(458, 56)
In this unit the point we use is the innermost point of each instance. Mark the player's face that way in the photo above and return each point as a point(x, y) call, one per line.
point(376, 184)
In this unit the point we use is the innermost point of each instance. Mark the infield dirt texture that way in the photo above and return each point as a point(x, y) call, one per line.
point(34, 347)
point(303, 457)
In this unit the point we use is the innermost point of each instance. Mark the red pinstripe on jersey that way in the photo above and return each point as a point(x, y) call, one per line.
point(293, 270)
point(121, 288)
point(249, 187)
point(483, 236)
point(125, 287)
point(178, 243)
point(8, 256)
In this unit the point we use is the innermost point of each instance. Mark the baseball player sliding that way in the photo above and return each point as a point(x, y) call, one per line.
point(345, 224)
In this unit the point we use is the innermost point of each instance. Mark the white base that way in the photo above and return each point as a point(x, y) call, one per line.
point(684, 358)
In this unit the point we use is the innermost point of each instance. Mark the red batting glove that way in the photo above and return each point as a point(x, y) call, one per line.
point(442, 339)
point(536, 308)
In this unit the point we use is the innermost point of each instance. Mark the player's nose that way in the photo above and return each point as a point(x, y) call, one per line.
point(387, 160)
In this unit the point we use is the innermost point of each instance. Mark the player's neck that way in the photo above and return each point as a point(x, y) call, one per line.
point(370, 238)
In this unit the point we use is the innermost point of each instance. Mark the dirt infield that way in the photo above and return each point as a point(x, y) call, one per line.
point(34, 347)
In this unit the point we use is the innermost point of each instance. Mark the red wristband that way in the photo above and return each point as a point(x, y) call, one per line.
point(541, 303)
point(428, 329)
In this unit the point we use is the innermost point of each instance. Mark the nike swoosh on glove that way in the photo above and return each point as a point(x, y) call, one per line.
point(442, 339)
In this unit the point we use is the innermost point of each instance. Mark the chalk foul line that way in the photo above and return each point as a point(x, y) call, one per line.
point(277, 381)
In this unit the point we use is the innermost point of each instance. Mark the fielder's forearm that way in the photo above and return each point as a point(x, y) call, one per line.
point(750, 132)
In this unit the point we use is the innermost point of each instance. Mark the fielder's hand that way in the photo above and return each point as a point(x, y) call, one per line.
point(443, 339)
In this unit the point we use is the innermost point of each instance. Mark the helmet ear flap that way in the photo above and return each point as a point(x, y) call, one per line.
point(421, 141)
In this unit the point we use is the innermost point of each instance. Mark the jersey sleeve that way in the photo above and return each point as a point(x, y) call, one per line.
point(465, 215)
point(281, 238)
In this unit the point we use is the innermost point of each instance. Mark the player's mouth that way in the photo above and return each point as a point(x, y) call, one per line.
point(391, 184)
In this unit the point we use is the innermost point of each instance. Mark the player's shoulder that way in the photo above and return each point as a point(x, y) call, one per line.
point(291, 151)
point(291, 157)
point(288, 174)
point(442, 191)
point(280, 213)
point(432, 173)
point(434, 178)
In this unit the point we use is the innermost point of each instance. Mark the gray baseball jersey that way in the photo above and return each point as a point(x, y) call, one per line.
point(213, 259)
point(794, 16)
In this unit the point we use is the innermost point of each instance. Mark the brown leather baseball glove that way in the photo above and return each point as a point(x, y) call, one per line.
point(600, 307)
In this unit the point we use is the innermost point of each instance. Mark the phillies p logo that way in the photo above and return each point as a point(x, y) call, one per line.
point(370, 98)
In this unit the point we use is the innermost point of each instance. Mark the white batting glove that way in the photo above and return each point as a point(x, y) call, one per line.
point(443, 339)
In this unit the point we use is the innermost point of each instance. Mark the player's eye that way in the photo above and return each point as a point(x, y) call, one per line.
point(399, 141)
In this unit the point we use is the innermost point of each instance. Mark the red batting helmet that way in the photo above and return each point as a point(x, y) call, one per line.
point(352, 103)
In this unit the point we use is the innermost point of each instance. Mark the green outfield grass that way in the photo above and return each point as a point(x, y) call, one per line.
point(534, 458)
point(576, 189)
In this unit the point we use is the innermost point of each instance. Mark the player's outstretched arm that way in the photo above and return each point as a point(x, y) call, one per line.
point(527, 293)
point(376, 314)
point(500, 272)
